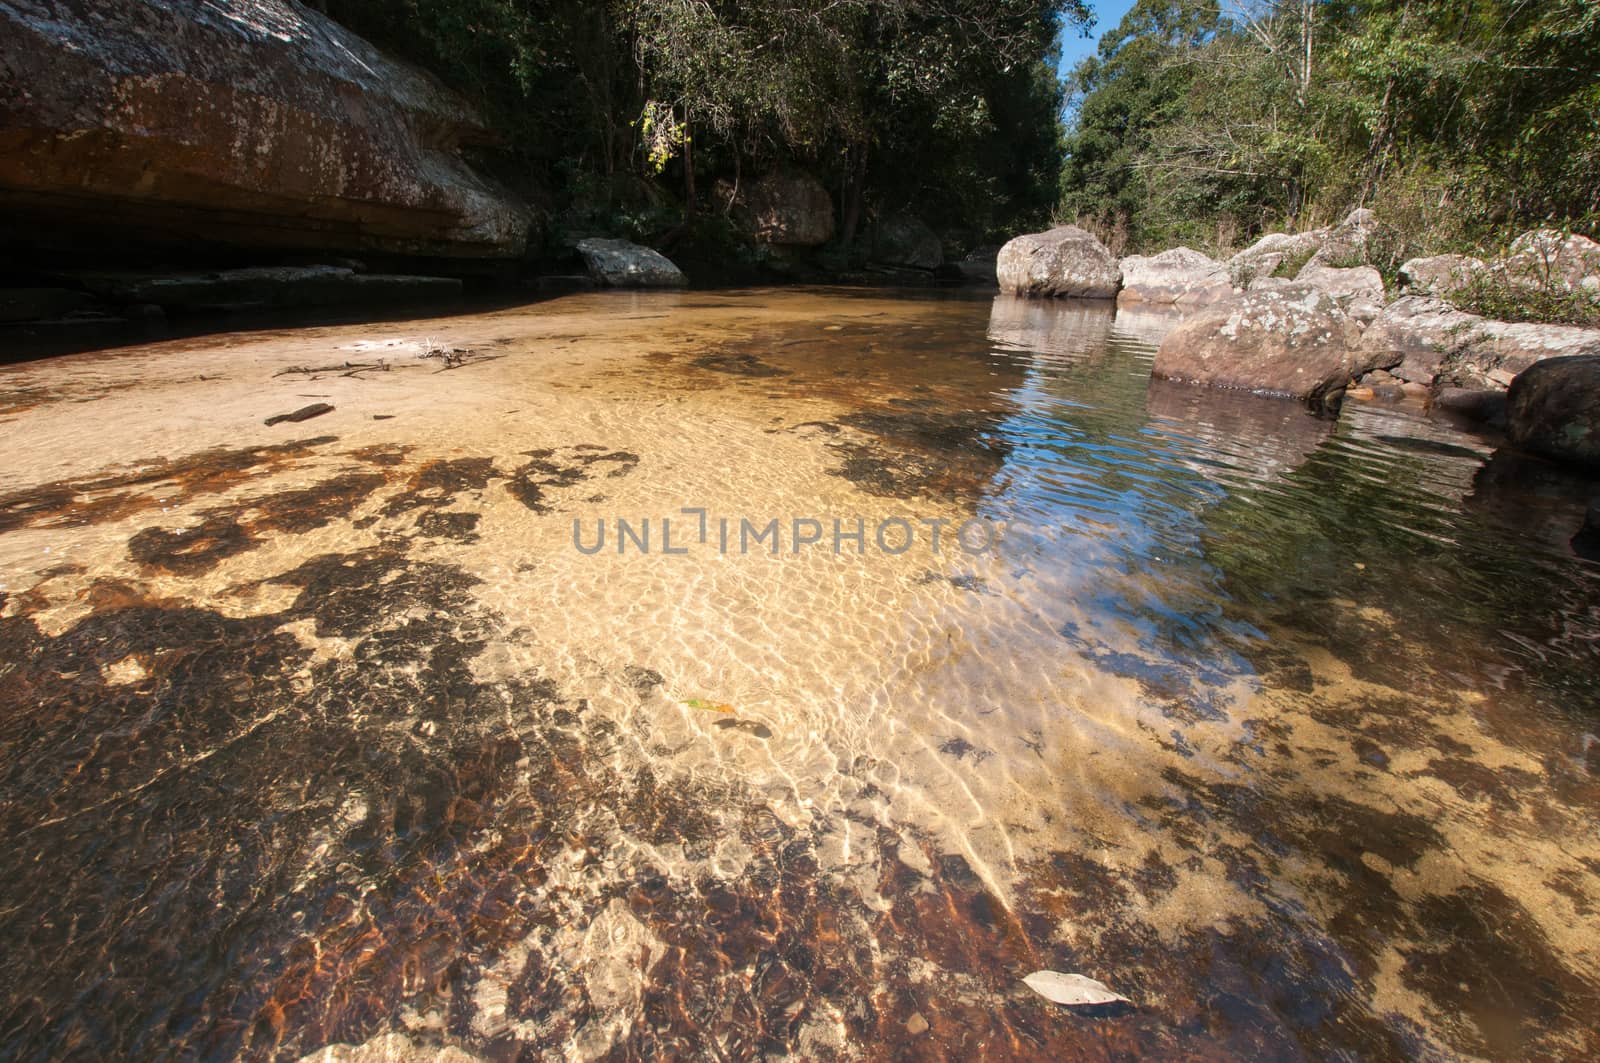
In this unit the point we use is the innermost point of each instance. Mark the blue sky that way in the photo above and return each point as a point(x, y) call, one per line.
point(1073, 47)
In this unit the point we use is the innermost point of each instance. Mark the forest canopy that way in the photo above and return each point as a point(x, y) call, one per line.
point(1458, 121)
point(637, 106)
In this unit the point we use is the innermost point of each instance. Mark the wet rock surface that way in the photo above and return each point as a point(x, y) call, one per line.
point(1553, 408)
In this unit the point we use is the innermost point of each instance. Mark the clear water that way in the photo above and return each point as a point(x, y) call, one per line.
point(325, 734)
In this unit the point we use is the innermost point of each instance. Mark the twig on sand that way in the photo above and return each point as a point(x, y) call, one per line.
point(343, 368)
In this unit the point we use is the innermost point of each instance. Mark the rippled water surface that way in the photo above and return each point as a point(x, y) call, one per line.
point(324, 738)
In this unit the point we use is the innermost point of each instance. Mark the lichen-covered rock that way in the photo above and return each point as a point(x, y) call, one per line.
point(1176, 277)
point(788, 208)
point(1294, 341)
point(1349, 243)
point(1549, 260)
point(901, 240)
point(1066, 261)
point(1270, 252)
point(1433, 342)
point(621, 264)
point(1553, 408)
point(1354, 285)
point(1440, 275)
point(253, 123)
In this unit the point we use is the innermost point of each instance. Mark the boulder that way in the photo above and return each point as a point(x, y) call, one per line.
point(1440, 275)
point(788, 208)
point(621, 264)
point(1433, 342)
point(1177, 277)
point(1474, 404)
point(238, 123)
point(1352, 285)
point(1349, 243)
point(1294, 341)
point(901, 240)
point(1553, 409)
point(1548, 260)
point(978, 267)
point(1066, 261)
point(1270, 252)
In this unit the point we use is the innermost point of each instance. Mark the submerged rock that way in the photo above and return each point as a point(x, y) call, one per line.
point(1179, 276)
point(1066, 261)
point(1294, 341)
point(1553, 409)
point(255, 123)
point(1475, 404)
point(621, 264)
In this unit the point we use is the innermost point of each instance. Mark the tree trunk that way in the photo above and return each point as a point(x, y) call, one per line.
point(688, 165)
point(850, 209)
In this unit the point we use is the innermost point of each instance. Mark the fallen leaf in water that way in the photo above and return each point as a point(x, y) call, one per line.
point(709, 706)
point(1072, 989)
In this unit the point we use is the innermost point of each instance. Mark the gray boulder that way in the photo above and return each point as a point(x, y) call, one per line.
point(1177, 277)
point(1266, 255)
point(788, 208)
point(978, 267)
point(621, 264)
point(1349, 243)
point(902, 240)
point(1433, 342)
point(1553, 408)
point(1359, 289)
point(1066, 261)
point(1548, 260)
point(1293, 341)
point(1440, 275)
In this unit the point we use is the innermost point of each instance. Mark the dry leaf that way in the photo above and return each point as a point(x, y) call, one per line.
point(1072, 989)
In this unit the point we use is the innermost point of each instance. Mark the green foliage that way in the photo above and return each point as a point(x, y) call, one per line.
point(950, 107)
point(1457, 120)
point(1493, 298)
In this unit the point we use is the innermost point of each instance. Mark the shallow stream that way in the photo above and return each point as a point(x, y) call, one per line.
point(341, 732)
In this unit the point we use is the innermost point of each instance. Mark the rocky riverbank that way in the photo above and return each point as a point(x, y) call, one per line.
point(1305, 316)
